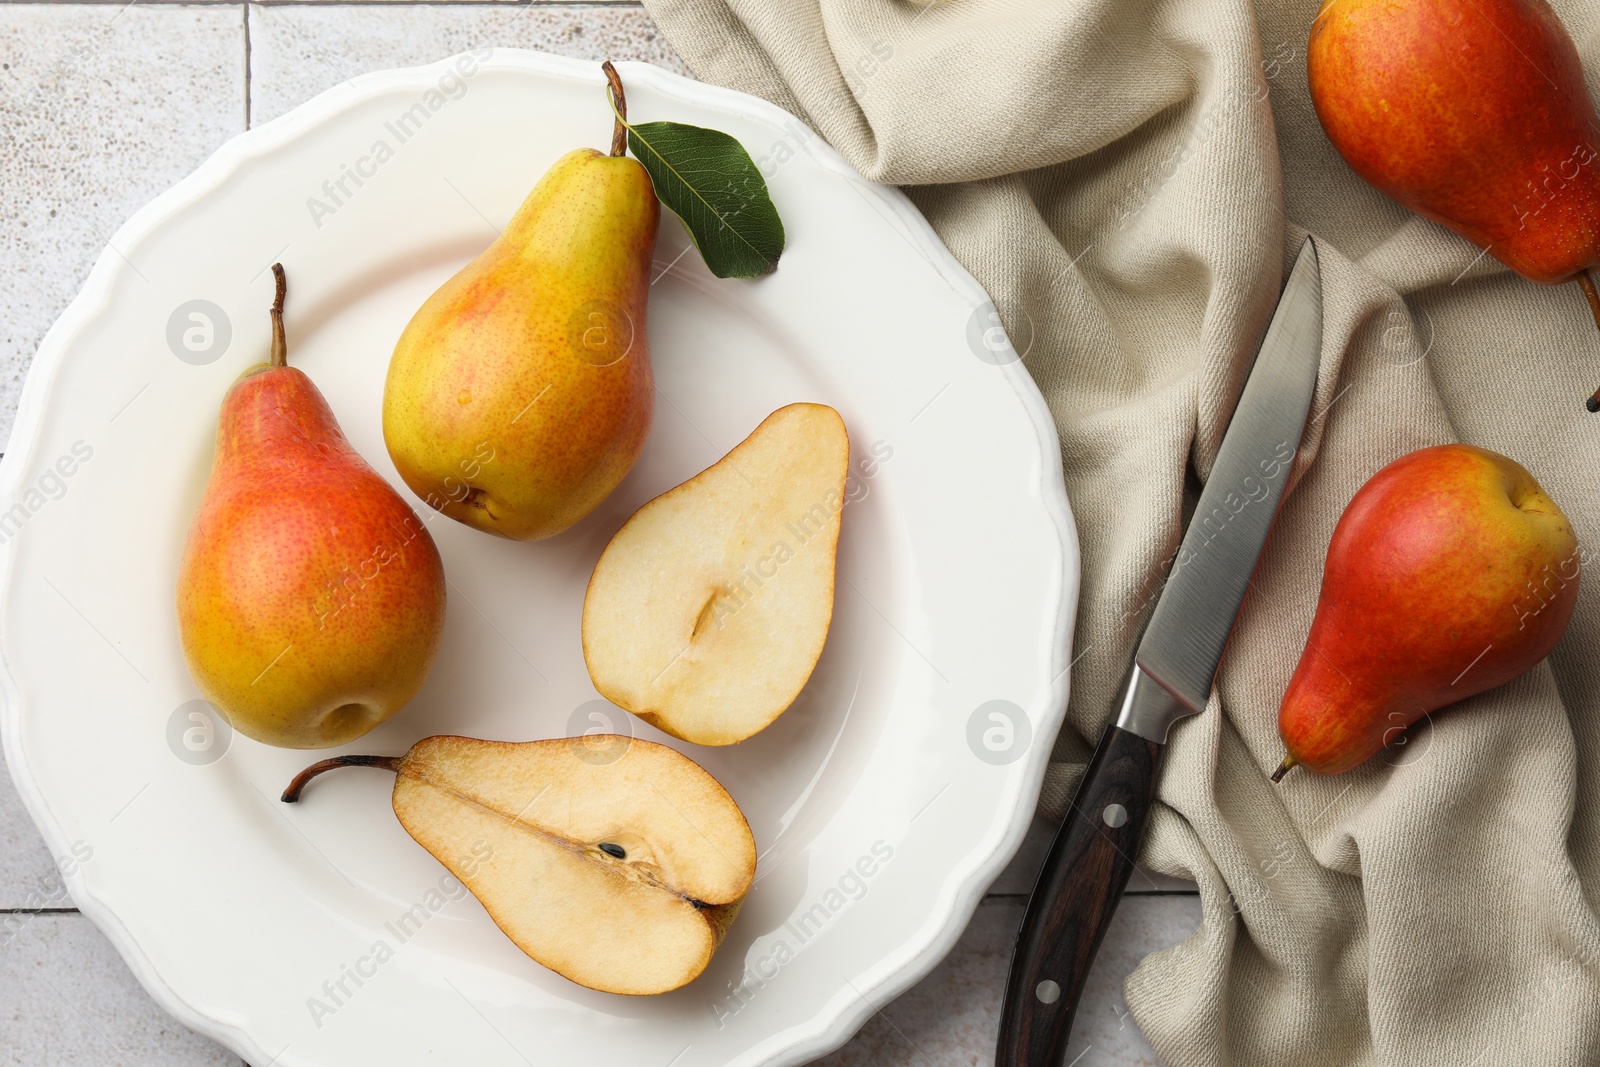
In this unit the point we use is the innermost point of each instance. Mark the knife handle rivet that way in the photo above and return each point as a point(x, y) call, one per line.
point(1047, 992)
point(1115, 815)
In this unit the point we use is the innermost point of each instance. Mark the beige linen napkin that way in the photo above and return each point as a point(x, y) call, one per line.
point(1129, 179)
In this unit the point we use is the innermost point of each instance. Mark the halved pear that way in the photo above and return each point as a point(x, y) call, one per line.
point(709, 608)
point(615, 862)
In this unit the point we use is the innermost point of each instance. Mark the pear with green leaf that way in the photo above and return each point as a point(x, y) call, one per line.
point(521, 392)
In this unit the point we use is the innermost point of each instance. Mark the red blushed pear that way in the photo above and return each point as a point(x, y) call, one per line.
point(310, 597)
point(1472, 113)
point(1450, 572)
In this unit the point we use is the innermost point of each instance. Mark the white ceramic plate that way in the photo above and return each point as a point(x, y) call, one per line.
point(883, 803)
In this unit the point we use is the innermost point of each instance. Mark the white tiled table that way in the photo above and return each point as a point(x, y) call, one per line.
point(102, 107)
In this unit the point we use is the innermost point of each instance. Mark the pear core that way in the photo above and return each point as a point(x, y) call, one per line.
point(708, 610)
point(620, 871)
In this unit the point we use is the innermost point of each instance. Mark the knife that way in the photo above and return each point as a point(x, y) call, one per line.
point(1092, 857)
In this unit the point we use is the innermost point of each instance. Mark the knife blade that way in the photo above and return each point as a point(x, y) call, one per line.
point(1176, 661)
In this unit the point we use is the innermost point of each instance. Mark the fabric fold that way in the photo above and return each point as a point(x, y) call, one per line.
point(1130, 181)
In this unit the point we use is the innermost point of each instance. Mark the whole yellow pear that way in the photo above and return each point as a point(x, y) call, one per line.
point(520, 393)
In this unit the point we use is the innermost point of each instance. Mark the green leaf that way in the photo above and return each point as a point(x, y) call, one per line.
point(711, 183)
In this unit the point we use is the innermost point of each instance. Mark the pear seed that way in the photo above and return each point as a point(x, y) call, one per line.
point(614, 851)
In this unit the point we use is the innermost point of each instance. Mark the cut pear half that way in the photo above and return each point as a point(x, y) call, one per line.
point(618, 865)
point(709, 609)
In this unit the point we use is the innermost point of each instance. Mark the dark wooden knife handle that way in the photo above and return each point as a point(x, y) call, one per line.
point(1075, 898)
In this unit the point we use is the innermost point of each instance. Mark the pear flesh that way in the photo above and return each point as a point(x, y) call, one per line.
point(708, 610)
point(617, 863)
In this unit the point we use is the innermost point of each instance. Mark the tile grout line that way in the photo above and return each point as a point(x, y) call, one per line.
point(245, 13)
point(567, 4)
point(998, 897)
point(1024, 897)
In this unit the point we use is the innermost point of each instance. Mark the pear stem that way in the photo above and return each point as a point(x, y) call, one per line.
point(280, 347)
point(292, 794)
point(619, 106)
point(1284, 768)
point(1586, 283)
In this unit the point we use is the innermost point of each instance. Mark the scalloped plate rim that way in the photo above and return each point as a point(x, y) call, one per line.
point(841, 1015)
